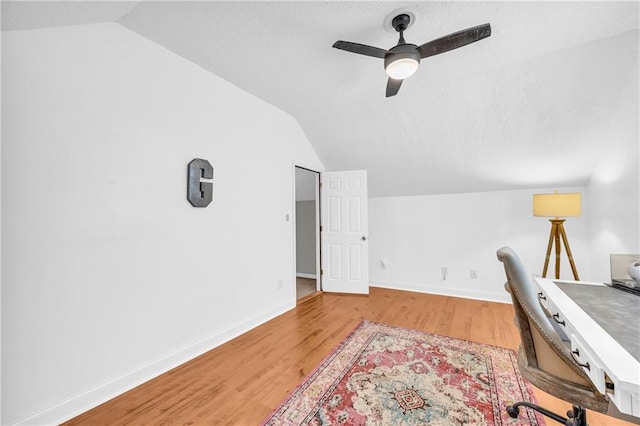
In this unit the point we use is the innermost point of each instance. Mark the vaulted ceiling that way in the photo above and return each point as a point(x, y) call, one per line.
point(530, 106)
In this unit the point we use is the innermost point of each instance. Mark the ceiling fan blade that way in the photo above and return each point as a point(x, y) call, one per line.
point(393, 86)
point(455, 40)
point(362, 49)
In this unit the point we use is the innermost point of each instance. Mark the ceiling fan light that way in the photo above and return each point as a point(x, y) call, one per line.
point(402, 68)
point(402, 61)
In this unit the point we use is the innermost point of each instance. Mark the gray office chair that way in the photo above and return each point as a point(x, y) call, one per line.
point(544, 358)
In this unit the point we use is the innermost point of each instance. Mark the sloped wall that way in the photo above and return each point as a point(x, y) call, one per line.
point(109, 275)
point(614, 188)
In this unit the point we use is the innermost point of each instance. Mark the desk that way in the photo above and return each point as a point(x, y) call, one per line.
point(610, 359)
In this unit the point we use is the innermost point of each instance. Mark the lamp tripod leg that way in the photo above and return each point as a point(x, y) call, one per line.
point(566, 245)
point(548, 256)
point(558, 250)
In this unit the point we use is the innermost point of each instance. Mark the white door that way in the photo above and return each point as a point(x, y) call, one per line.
point(345, 245)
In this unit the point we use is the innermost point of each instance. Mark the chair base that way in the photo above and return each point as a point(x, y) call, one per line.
point(577, 416)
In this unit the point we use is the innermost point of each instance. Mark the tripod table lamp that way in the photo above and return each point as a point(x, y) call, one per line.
point(557, 205)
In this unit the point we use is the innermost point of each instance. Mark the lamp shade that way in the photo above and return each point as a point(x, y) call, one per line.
point(557, 205)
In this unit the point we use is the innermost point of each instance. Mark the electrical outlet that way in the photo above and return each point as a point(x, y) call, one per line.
point(474, 273)
point(280, 284)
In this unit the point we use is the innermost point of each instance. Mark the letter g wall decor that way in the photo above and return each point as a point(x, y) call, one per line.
point(199, 193)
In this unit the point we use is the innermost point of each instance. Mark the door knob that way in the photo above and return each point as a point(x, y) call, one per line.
point(364, 238)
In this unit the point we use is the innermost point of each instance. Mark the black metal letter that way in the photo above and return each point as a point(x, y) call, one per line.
point(199, 193)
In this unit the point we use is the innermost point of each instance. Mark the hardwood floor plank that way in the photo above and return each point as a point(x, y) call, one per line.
point(242, 381)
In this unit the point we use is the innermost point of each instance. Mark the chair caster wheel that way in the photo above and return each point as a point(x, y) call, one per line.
point(513, 411)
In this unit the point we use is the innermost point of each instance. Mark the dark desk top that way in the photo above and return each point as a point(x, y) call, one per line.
point(616, 311)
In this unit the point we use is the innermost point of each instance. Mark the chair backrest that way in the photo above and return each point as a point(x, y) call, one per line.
point(543, 357)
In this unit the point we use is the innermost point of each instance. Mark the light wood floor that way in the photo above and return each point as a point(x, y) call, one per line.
point(242, 381)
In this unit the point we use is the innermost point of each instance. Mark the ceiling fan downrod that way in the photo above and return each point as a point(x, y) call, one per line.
point(401, 23)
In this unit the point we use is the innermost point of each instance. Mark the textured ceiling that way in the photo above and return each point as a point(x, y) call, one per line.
point(529, 106)
point(29, 15)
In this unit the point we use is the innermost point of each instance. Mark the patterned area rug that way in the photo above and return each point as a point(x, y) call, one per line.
point(384, 375)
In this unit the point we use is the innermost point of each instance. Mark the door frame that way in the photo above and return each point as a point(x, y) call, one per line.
point(318, 225)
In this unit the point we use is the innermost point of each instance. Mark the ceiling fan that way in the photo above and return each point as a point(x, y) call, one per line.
point(402, 60)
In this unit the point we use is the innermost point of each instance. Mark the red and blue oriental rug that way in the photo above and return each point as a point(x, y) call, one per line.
point(384, 375)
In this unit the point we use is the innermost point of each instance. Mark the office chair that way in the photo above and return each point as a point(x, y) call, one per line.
point(544, 358)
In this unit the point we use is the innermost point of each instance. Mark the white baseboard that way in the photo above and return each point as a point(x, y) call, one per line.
point(353, 289)
point(305, 275)
point(453, 292)
point(90, 398)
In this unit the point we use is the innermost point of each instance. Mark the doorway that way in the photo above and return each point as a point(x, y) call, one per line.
point(307, 230)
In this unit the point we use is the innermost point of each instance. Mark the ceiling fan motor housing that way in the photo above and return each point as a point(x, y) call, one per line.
point(402, 52)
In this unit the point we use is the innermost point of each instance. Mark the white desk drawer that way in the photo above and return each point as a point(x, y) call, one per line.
point(558, 321)
point(584, 357)
point(625, 402)
point(542, 297)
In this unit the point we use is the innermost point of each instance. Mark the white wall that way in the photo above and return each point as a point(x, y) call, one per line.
point(416, 236)
point(614, 188)
point(109, 275)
